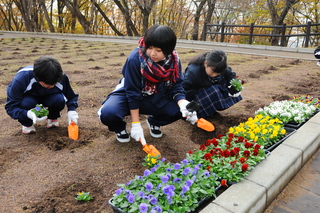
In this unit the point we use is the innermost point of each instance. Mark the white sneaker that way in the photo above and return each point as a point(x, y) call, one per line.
point(52, 123)
point(28, 129)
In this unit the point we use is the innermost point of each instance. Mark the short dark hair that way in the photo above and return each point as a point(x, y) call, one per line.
point(161, 36)
point(48, 70)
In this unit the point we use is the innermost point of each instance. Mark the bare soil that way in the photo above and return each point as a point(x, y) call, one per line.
point(43, 172)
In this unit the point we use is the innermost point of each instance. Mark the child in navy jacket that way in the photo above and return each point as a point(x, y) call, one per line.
point(43, 83)
point(152, 85)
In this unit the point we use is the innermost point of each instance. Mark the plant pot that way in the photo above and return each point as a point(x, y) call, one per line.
point(290, 131)
point(114, 208)
point(298, 125)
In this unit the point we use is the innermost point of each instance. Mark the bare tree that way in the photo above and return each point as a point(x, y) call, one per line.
point(74, 8)
point(26, 8)
point(123, 6)
point(45, 11)
point(145, 7)
point(278, 19)
point(199, 7)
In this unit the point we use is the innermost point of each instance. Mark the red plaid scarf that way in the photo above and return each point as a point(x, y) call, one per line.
point(153, 72)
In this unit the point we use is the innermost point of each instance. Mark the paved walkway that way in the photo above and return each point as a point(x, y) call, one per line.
point(298, 158)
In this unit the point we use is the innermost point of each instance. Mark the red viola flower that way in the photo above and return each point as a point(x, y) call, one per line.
point(244, 167)
point(248, 145)
point(255, 152)
point(242, 160)
point(208, 142)
point(232, 153)
point(190, 152)
point(213, 152)
point(208, 168)
point(220, 136)
point(236, 150)
point(240, 139)
point(231, 135)
point(215, 142)
point(203, 147)
point(246, 153)
point(224, 183)
point(226, 153)
point(257, 146)
point(233, 163)
point(207, 156)
point(228, 144)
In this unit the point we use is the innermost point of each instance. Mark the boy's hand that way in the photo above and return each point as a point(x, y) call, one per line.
point(137, 131)
point(73, 116)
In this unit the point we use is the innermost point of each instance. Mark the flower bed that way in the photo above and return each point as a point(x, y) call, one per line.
point(180, 187)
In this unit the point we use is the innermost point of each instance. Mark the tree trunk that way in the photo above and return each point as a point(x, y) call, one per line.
point(45, 11)
point(131, 29)
point(74, 8)
point(278, 19)
point(195, 33)
point(107, 19)
point(145, 10)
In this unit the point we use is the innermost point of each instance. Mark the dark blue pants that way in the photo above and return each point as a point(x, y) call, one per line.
point(55, 103)
point(116, 107)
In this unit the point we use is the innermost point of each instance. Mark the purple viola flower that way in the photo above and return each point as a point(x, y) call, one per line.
point(147, 172)
point(189, 182)
point(149, 186)
point(163, 159)
point(159, 186)
point(206, 173)
point(177, 180)
point(186, 171)
point(130, 198)
point(141, 194)
point(195, 170)
point(129, 183)
point(143, 207)
point(118, 191)
point(153, 211)
point(177, 166)
point(158, 209)
point(37, 108)
point(184, 162)
point(153, 200)
point(167, 190)
point(128, 191)
point(169, 198)
point(185, 188)
point(168, 170)
point(164, 179)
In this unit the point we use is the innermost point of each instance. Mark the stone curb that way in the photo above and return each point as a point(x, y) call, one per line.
point(257, 191)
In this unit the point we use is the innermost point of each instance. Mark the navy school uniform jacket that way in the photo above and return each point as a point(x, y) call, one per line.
point(25, 83)
point(134, 81)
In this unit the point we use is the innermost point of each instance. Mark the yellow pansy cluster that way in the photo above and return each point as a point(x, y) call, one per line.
point(262, 129)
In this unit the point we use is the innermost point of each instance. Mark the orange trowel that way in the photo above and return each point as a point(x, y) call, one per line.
point(73, 131)
point(150, 149)
point(201, 122)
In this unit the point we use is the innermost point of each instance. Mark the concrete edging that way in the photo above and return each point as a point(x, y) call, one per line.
point(265, 182)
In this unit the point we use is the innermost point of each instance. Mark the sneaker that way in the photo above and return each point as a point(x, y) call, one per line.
point(154, 130)
point(28, 129)
point(123, 136)
point(52, 123)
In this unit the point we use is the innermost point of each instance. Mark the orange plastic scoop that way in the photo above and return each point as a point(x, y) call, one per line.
point(73, 131)
point(205, 125)
point(150, 149)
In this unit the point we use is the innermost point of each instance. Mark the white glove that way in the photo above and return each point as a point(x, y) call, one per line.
point(185, 113)
point(193, 118)
point(34, 118)
point(137, 131)
point(73, 116)
point(235, 95)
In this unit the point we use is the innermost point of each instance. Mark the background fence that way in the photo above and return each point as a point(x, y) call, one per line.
point(278, 34)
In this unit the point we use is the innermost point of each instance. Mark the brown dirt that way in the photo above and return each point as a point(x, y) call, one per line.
point(44, 171)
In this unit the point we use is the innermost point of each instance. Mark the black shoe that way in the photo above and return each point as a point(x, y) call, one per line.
point(154, 130)
point(123, 136)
